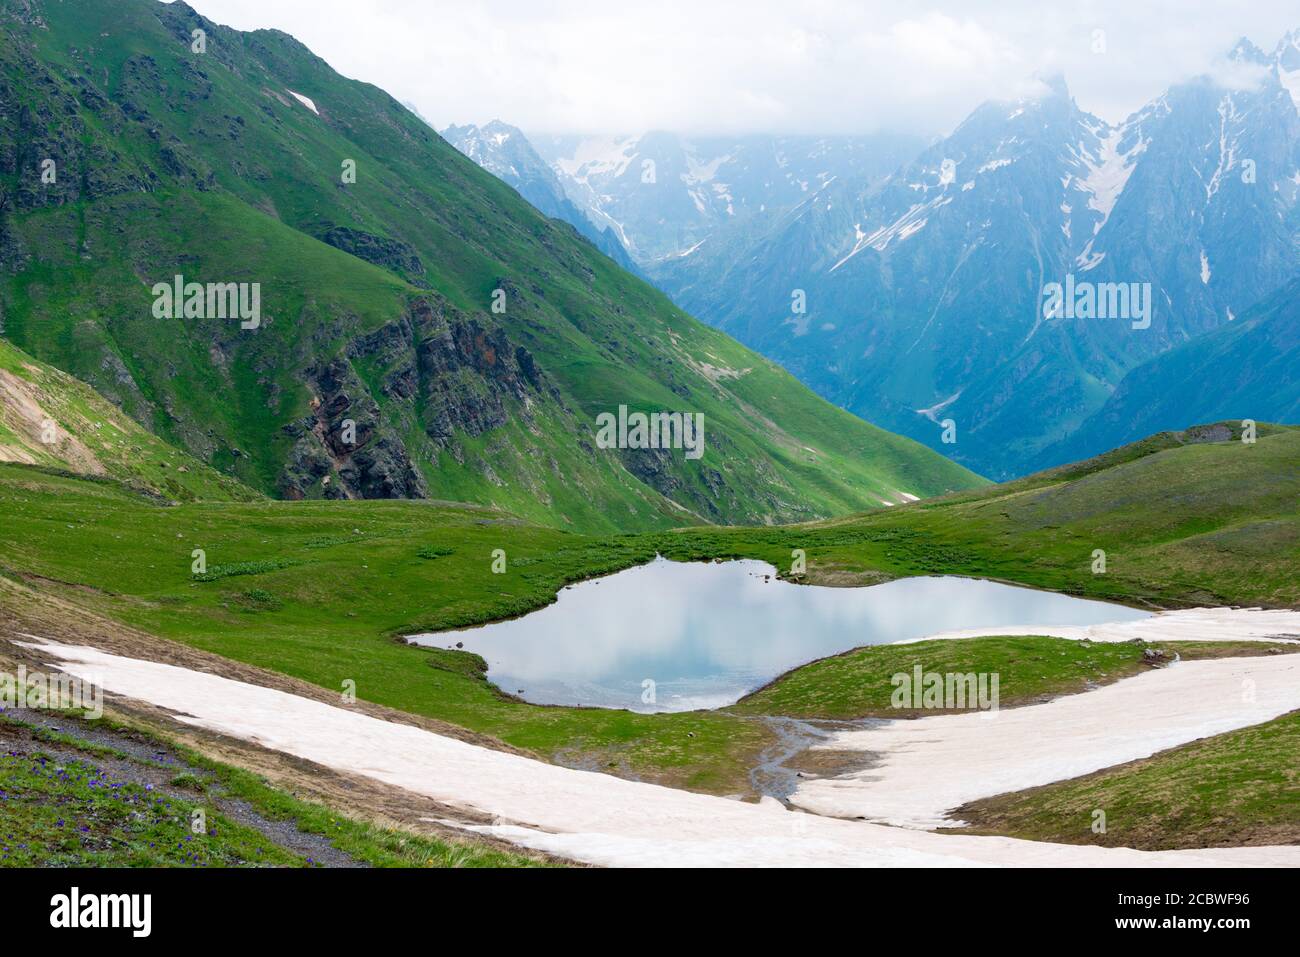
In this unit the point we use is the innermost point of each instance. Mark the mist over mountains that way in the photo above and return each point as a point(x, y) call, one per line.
point(906, 282)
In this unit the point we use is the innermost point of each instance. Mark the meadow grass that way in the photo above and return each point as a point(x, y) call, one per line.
point(330, 587)
point(1233, 789)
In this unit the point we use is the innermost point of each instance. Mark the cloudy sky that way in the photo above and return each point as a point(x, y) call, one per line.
point(726, 66)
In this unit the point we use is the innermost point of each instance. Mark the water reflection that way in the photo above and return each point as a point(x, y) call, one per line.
point(706, 634)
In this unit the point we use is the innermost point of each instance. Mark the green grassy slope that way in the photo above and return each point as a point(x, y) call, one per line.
point(50, 419)
point(1239, 788)
point(857, 684)
point(1253, 363)
point(75, 814)
point(206, 165)
point(80, 792)
point(1188, 518)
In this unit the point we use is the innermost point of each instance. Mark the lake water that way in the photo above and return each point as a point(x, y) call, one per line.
point(707, 634)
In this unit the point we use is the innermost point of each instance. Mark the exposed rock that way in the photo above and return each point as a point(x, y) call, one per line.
point(346, 436)
point(391, 254)
point(654, 468)
point(468, 371)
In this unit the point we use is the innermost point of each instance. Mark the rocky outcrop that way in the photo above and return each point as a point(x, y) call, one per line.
point(440, 374)
point(392, 254)
point(468, 372)
point(654, 468)
point(344, 448)
point(56, 158)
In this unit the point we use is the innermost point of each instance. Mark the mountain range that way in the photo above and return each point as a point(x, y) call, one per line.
point(915, 296)
point(925, 294)
point(506, 153)
point(414, 327)
point(666, 193)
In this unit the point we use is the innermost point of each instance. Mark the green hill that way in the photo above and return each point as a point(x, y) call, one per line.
point(49, 419)
point(1184, 518)
point(379, 367)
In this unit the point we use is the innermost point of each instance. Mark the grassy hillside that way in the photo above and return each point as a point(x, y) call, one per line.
point(1031, 668)
point(1190, 518)
point(101, 793)
point(48, 418)
point(377, 296)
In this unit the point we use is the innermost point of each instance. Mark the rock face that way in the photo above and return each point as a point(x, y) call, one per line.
point(442, 374)
point(468, 372)
point(381, 251)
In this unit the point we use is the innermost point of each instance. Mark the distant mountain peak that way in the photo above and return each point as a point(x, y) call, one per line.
point(1287, 63)
point(1246, 52)
point(507, 153)
point(1290, 41)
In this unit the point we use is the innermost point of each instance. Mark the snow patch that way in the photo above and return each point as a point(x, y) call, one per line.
point(1088, 259)
point(698, 172)
point(599, 157)
point(1227, 151)
point(932, 413)
point(305, 101)
point(927, 767)
point(606, 820)
point(1108, 174)
point(906, 226)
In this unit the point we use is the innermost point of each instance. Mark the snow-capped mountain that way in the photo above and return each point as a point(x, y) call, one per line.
point(664, 194)
point(504, 151)
point(925, 294)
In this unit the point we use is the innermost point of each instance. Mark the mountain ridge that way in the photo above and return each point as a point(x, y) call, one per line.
point(506, 153)
point(926, 291)
point(380, 365)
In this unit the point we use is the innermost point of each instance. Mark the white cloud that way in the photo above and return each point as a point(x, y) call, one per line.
point(755, 65)
point(1237, 75)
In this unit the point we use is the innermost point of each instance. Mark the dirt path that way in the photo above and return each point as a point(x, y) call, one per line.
point(148, 763)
